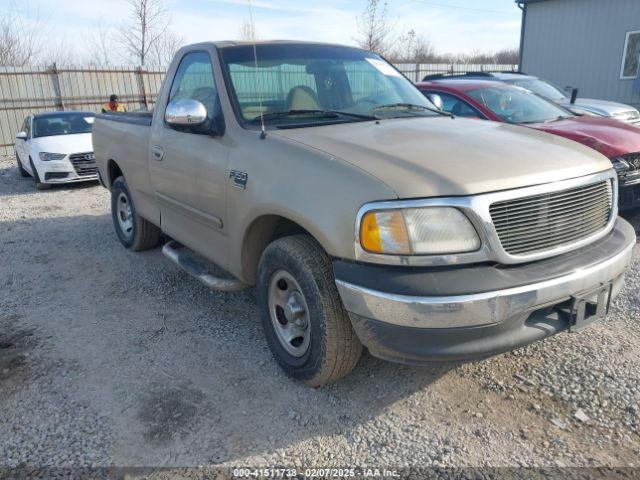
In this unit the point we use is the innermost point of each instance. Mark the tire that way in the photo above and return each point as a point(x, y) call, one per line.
point(36, 178)
point(332, 347)
point(133, 231)
point(23, 172)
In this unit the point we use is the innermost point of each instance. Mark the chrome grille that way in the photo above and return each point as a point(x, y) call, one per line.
point(557, 219)
point(84, 164)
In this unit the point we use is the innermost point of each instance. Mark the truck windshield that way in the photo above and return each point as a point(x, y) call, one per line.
point(542, 88)
point(66, 124)
point(517, 105)
point(317, 84)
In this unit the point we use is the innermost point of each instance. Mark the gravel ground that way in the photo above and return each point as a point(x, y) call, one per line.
point(114, 358)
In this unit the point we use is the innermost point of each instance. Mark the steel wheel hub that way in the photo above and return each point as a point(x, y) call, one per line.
point(124, 214)
point(289, 313)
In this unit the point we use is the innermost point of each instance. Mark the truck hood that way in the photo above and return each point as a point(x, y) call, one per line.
point(607, 136)
point(601, 107)
point(438, 156)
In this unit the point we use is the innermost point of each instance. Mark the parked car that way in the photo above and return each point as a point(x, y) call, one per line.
point(603, 108)
point(500, 102)
point(362, 214)
point(56, 148)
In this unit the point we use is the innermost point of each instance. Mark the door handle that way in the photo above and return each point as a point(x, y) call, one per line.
point(157, 152)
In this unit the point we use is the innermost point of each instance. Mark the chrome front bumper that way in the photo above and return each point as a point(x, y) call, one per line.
point(490, 307)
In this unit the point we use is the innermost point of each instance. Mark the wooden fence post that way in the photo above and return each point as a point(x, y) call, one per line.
point(141, 87)
point(55, 80)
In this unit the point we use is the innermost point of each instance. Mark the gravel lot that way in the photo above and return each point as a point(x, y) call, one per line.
point(114, 358)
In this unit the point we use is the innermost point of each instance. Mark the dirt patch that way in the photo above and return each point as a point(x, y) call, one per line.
point(166, 414)
point(15, 343)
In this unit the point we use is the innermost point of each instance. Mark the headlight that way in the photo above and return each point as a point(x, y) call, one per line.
point(418, 231)
point(48, 157)
point(619, 165)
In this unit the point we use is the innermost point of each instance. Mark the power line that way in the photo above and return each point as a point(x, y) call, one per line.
point(434, 4)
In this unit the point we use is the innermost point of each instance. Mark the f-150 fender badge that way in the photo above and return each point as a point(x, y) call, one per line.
point(239, 179)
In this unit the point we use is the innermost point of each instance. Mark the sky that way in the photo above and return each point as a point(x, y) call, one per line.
point(452, 26)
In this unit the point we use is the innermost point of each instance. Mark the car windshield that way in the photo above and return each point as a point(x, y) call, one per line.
point(67, 124)
point(542, 88)
point(302, 85)
point(517, 105)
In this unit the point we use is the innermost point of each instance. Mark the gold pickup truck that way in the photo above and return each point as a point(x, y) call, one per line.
point(361, 213)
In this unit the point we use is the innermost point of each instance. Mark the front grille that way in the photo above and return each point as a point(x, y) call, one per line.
point(84, 164)
point(557, 219)
point(55, 175)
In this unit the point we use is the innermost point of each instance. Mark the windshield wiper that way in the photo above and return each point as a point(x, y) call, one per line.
point(317, 112)
point(410, 106)
point(557, 119)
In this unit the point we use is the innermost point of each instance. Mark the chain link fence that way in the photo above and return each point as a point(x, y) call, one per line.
point(29, 90)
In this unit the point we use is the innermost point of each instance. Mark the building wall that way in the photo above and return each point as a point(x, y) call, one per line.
point(580, 43)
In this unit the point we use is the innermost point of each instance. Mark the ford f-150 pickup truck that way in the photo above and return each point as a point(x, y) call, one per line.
point(362, 214)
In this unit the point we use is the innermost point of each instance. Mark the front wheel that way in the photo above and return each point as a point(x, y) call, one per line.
point(36, 178)
point(23, 172)
point(134, 232)
point(306, 325)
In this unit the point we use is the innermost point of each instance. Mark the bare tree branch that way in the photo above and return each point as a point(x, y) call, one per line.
point(147, 27)
point(374, 30)
point(21, 42)
point(100, 45)
point(163, 49)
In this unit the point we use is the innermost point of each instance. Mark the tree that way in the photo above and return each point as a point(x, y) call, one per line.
point(21, 43)
point(509, 56)
point(100, 45)
point(147, 30)
point(413, 48)
point(374, 29)
point(162, 51)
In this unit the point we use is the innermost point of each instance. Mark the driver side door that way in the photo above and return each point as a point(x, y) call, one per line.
point(189, 166)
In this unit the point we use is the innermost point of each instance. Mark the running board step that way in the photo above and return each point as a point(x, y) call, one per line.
point(180, 255)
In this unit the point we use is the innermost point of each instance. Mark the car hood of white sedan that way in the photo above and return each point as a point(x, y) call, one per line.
point(67, 144)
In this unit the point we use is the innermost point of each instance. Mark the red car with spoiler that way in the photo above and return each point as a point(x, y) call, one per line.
point(500, 102)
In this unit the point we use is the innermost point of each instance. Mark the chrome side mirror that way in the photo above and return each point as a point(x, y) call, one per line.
point(185, 112)
point(436, 100)
point(21, 135)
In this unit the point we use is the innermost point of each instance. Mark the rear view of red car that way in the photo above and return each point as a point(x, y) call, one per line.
point(500, 102)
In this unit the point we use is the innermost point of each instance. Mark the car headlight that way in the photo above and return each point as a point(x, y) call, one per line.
point(48, 157)
point(619, 165)
point(418, 231)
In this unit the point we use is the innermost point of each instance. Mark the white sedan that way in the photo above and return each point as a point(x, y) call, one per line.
point(56, 148)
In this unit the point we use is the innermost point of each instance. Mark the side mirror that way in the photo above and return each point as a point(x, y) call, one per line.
point(185, 113)
point(436, 100)
point(21, 135)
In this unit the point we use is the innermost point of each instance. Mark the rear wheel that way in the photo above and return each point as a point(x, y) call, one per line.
point(36, 178)
point(306, 325)
point(134, 232)
point(23, 172)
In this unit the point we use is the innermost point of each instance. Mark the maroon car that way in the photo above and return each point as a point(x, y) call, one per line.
point(500, 102)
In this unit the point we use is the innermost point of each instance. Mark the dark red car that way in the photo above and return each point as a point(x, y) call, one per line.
point(500, 102)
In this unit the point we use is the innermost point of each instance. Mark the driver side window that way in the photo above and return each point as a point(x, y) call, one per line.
point(194, 80)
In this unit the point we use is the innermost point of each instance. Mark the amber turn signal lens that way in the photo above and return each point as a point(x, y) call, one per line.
point(384, 232)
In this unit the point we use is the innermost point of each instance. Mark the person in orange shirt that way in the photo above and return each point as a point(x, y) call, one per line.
point(114, 105)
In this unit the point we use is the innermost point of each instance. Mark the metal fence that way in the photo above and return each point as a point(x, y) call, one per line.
point(29, 90)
